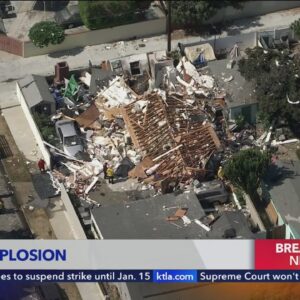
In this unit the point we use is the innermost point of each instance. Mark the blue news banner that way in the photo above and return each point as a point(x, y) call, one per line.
point(158, 276)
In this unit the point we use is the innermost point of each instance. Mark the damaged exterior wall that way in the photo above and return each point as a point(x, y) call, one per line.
point(225, 44)
point(101, 36)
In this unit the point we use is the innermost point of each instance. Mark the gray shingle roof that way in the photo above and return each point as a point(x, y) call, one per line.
point(283, 183)
point(99, 79)
point(35, 90)
point(231, 220)
point(146, 219)
point(238, 91)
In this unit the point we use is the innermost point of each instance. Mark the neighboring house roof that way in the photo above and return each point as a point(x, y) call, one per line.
point(35, 90)
point(44, 186)
point(283, 184)
point(192, 53)
point(229, 220)
point(147, 218)
point(239, 92)
point(100, 78)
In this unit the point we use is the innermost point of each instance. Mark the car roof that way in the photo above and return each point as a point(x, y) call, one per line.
point(67, 127)
point(67, 14)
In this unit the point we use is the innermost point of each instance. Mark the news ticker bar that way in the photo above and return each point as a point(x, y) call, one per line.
point(156, 276)
point(150, 254)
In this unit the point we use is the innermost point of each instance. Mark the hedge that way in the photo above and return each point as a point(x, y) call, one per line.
point(103, 14)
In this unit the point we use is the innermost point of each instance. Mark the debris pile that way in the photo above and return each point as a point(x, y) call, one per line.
point(164, 126)
point(173, 134)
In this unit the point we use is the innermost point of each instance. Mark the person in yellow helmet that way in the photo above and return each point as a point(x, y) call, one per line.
point(221, 173)
point(110, 174)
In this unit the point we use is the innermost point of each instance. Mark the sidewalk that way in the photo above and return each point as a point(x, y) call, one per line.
point(78, 58)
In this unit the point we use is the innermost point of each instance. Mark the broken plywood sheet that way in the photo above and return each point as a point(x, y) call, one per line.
point(111, 113)
point(89, 116)
point(139, 170)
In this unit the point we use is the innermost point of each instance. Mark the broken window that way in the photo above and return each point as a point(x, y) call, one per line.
point(135, 68)
point(117, 67)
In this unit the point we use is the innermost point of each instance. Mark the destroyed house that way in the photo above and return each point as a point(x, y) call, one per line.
point(36, 93)
point(173, 134)
point(158, 217)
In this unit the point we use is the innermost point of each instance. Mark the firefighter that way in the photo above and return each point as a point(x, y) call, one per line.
point(42, 165)
point(110, 174)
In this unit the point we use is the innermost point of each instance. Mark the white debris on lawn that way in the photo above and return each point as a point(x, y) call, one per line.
point(275, 143)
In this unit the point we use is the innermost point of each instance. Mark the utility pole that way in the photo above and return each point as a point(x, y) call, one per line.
point(169, 30)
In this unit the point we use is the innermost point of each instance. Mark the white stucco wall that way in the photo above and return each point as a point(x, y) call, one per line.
point(101, 36)
point(33, 126)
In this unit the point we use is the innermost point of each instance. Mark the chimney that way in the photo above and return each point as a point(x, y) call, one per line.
point(105, 65)
point(229, 233)
point(61, 72)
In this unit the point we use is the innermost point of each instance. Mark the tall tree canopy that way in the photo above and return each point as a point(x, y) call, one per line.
point(277, 82)
point(246, 168)
point(193, 13)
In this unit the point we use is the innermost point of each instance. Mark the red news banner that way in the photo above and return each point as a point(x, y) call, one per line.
point(277, 254)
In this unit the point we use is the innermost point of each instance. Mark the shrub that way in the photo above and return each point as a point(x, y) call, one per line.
point(103, 14)
point(45, 126)
point(246, 169)
point(295, 26)
point(44, 33)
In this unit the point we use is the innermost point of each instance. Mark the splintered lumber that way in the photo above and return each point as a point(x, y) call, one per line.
point(167, 134)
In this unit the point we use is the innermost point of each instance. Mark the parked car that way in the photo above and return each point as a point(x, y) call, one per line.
point(211, 192)
point(68, 17)
point(69, 135)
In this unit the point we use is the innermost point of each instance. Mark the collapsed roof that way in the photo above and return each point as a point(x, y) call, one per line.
point(173, 133)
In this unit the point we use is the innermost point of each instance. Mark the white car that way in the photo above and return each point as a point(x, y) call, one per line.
point(69, 135)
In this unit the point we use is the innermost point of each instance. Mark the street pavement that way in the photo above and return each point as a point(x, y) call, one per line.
point(13, 68)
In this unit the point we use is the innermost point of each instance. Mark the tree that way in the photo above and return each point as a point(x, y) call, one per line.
point(103, 14)
point(45, 126)
point(246, 168)
point(295, 26)
point(276, 77)
point(44, 33)
point(193, 13)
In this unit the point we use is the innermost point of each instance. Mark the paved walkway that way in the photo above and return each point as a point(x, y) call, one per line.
point(21, 131)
